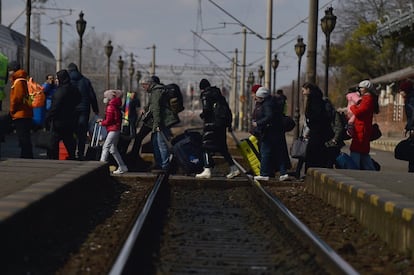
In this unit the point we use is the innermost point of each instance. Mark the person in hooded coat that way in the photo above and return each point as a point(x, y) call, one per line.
point(62, 116)
point(364, 112)
point(112, 122)
point(214, 132)
point(20, 110)
point(88, 100)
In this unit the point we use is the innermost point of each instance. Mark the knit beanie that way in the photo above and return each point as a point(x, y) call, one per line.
point(406, 86)
point(14, 66)
point(365, 84)
point(262, 92)
point(204, 84)
point(255, 88)
point(109, 94)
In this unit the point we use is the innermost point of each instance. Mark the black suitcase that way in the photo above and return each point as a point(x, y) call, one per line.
point(188, 152)
point(94, 150)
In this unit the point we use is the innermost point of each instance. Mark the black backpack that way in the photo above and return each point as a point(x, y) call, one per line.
point(173, 98)
point(338, 121)
point(221, 110)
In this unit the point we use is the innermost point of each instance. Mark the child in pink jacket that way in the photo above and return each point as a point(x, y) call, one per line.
point(353, 97)
point(112, 122)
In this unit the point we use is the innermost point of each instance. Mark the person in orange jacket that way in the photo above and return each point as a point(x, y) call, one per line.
point(21, 111)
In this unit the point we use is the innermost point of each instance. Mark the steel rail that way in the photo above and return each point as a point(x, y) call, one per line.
point(126, 250)
point(333, 261)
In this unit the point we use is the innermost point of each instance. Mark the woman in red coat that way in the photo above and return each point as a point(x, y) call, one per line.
point(364, 112)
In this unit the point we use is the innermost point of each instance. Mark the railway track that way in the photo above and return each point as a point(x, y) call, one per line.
point(221, 227)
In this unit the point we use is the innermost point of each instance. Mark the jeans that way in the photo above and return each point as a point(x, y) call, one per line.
point(160, 147)
point(362, 161)
point(81, 133)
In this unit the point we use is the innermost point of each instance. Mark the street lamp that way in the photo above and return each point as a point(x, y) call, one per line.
point(121, 68)
point(261, 73)
point(328, 23)
point(108, 51)
point(275, 64)
point(80, 27)
point(131, 71)
point(300, 48)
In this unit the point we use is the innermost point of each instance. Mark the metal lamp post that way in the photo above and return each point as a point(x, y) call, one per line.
point(108, 51)
point(260, 73)
point(328, 23)
point(138, 77)
point(250, 82)
point(300, 48)
point(275, 64)
point(121, 68)
point(131, 71)
point(80, 27)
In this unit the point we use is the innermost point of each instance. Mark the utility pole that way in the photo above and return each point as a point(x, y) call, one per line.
point(268, 68)
point(28, 14)
point(153, 60)
point(312, 41)
point(243, 92)
point(59, 48)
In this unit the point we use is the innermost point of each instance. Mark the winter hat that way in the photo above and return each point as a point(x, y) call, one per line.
point(109, 94)
point(262, 92)
point(156, 79)
point(255, 88)
point(72, 67)
point(146, 80)
point(14, 66)
point(204, 84)
point(406, 86)
point(365, 84)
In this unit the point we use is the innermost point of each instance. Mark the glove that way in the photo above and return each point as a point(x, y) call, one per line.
point(230, 129)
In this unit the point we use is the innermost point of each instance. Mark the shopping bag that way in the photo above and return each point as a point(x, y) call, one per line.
point(298, 149)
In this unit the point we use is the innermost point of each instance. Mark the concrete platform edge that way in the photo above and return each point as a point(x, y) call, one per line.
point(387, 214)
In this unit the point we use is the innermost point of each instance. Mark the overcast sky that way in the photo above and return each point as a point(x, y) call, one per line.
point(137, 25)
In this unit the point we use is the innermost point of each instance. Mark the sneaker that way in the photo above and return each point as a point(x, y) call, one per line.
point(206, 174)
point(284, 177)
point(234, 172)
point(120, 170)
point(261, 178)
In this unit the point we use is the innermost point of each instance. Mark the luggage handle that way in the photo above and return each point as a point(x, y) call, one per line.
point(95, 135)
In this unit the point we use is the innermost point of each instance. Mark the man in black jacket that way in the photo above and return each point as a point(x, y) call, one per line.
point(214, 130)
point(62, 115)
point(88, 100)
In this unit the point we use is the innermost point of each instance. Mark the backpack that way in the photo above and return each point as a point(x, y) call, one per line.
point(173, 98)
point(338, 121)
point(223, 116)
point(36, 94)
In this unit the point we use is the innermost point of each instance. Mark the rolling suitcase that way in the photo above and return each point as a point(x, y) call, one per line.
point(249, 149)
point(94, 150)
point(188, 152)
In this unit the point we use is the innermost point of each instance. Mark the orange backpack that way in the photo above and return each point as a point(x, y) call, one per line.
point(36, 94)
